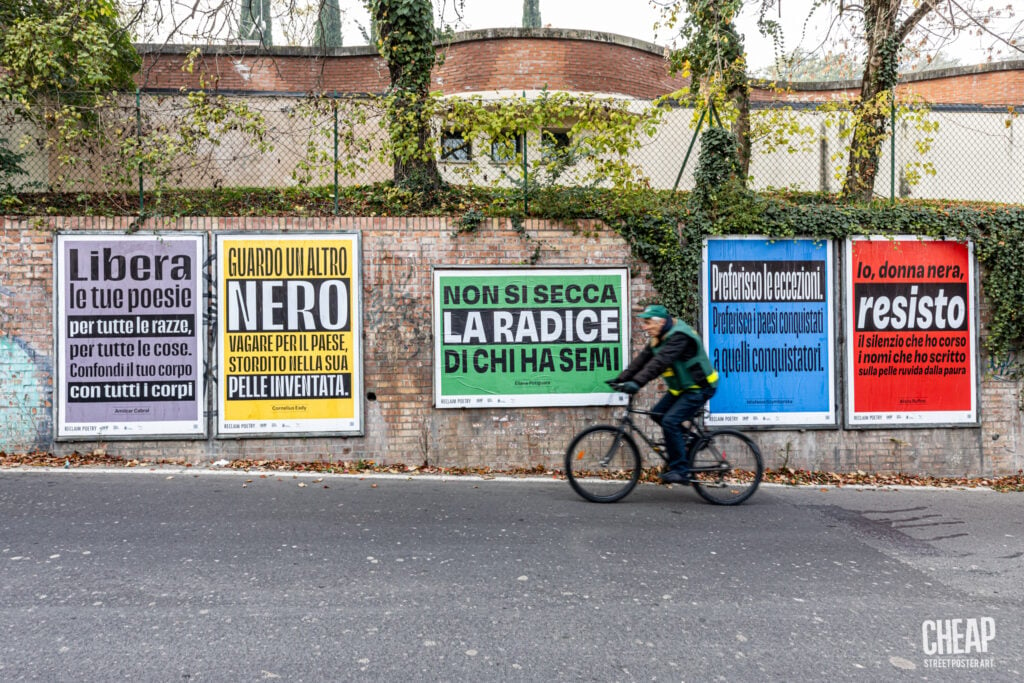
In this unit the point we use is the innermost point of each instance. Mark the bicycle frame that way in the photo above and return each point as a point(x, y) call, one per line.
point(698, 440)
point(604, 462)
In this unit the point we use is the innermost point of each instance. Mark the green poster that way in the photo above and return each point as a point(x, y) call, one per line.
point(529, 337)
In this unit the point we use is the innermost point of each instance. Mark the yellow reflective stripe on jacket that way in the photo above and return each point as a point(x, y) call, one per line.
point(712, 380)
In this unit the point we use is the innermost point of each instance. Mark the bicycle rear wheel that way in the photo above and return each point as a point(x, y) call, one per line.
point(602, 464)
point(732, 468)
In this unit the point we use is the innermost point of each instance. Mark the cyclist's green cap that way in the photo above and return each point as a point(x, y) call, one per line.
point(654, 311)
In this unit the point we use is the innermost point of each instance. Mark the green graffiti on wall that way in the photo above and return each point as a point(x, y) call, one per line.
point(22, 398)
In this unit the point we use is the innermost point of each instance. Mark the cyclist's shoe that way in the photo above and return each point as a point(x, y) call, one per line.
point(675, 477)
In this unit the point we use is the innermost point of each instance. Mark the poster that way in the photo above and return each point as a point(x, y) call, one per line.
point(289, 334)
point(529, 336)
point(910, 322)
point(768, 324)
point(130, 343)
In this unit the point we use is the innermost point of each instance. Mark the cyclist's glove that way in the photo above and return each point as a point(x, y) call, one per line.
point(629, 387)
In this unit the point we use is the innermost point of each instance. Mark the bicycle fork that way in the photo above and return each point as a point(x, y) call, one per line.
point(607, 459)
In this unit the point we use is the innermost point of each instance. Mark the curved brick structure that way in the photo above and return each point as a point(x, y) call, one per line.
point(514, 59)
point(475, 61)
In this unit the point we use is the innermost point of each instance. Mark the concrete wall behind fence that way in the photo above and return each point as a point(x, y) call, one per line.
point(973, 153)
point(401, 425)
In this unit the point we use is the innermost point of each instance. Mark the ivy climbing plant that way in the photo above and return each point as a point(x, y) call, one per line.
point(713, 57)
point(405, 39)
point(670, 239)
point(60, 62)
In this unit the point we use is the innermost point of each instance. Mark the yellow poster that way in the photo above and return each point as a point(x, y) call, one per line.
point(288, 334)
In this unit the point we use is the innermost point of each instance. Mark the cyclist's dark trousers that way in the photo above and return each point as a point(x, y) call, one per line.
point(671, 412)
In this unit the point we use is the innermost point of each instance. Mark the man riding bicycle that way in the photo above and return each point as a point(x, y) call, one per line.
point(675, 352)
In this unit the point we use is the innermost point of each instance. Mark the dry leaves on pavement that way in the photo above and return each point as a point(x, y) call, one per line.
point(785, 475)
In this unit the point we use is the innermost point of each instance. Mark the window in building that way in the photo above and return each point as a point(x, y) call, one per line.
point(506, 149)
point(455, 147)
point(555, 143)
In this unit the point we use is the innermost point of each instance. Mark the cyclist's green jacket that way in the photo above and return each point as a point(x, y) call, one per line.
point(678, 356)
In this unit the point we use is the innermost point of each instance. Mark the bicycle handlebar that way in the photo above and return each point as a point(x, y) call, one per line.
point(617, 387)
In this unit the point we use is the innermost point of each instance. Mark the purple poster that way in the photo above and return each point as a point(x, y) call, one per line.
point(130, 342)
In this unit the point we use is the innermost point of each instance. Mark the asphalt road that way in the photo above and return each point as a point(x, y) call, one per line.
point(208, 576)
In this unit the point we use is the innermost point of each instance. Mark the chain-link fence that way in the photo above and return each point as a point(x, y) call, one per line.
point(148, 143)
point(155, 142)
point(954, 152)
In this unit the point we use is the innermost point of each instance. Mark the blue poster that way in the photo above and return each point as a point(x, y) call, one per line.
point(768, 328)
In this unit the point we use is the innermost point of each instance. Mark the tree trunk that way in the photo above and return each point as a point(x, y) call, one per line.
point(884, 40)
point(865, 149)
point(406, 42)
point(740, 96)
point(416, 172)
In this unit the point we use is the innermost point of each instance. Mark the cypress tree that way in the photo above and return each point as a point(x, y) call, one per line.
point(531, 13)
point(254, 22)
point(328, 25)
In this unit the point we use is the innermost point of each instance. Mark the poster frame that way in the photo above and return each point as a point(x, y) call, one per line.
point(530, 400)
point(358, 352)
point(202, 340)
point(848, 313)
point(833, 313)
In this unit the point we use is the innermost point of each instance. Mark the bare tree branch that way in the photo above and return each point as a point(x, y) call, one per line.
point(986, 29)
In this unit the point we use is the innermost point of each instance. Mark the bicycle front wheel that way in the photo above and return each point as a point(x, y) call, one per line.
point(602, 464)
point(727, 468)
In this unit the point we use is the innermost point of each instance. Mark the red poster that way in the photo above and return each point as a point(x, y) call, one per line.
point(910, 323)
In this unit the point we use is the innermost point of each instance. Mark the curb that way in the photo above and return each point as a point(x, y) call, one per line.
point(411, 476)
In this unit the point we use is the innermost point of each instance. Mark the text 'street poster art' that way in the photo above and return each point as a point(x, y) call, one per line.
point(130, 345)
point(768, 327)
point(911, 350)
point(529, 337)
point(288, 334)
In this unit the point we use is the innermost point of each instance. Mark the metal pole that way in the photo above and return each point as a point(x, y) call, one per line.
point(892, 149)
point(689, 150)
point(526, 174)
point(138, 148)
point(714, 114)
point(334, 106)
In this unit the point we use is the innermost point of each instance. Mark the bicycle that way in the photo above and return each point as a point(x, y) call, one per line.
point(603, 461)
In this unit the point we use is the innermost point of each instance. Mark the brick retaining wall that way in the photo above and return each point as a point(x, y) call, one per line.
point(401, 426)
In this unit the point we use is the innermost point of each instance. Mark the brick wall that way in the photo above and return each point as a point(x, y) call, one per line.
point(529, 59)
point(401, 426)
point(476, 61)
point(26, 346)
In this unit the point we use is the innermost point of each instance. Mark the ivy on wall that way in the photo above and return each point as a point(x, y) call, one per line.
point(671, 241)
point(664, 229)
